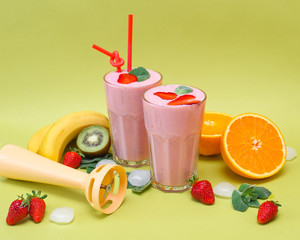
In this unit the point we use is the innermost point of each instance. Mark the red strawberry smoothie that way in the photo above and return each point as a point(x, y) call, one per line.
point(125, 109)
point(173, 134)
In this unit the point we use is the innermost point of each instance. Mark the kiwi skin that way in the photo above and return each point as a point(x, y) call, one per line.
point(102, 152)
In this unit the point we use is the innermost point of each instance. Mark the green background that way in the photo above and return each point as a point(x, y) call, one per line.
point(243, 53)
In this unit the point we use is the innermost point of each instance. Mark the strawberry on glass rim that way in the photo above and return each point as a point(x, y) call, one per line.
point(166, 95)
point(127, 78)
point(184, 100)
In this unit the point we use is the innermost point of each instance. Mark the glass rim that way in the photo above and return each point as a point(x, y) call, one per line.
point(120, 86)
point(172, 106)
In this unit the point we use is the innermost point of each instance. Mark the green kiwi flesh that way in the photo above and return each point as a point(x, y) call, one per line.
point(93, 141)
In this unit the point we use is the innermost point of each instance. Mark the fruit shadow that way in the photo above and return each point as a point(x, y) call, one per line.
point(237, 178)
point(224, 170)
point(217, 157)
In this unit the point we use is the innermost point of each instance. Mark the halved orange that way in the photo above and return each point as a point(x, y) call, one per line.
point(214, 124)
point(253, 147)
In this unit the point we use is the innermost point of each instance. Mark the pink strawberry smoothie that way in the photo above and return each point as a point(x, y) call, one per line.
point(173, 134)
point(125, 109)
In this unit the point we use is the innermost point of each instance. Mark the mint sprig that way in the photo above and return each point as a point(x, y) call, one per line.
point(180, 90)
point(141, 73)
point(247, 196)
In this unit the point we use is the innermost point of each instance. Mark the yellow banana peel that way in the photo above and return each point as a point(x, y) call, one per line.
point(36, 139)
point(66, 129)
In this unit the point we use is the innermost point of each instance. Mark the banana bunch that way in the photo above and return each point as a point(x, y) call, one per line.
point(51, 140)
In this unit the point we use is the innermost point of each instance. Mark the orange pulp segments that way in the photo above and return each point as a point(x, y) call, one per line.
point(253, 147)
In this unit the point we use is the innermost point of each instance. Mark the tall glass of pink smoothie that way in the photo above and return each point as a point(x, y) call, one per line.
point(173, 118)
point(125, 109)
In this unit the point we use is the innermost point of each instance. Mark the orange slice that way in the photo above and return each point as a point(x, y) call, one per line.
point(253, 147)
point(214, 124)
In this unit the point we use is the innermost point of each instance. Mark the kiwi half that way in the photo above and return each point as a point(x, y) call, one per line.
point(93, 141)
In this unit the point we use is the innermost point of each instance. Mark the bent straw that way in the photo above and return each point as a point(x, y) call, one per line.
point(113, 56)
point(103, 50)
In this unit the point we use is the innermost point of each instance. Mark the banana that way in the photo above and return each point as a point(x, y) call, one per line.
point(36, 139)
point(66, 129)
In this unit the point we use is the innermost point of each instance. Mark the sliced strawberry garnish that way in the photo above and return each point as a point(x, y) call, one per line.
point(166, 95)
point(184, 100)
point(127, 78)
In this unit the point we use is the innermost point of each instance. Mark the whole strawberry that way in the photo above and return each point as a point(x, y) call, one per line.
point(267, 211)
point(72, 159)
point(18, 210)
point(202, 191)
point(37, 206)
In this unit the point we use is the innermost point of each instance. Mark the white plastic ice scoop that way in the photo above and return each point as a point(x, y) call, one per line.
point(21, 164)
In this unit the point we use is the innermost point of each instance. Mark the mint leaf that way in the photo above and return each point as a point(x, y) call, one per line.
point(97, 159)
point(246, 198)
point(237, 202)
point(141, 188)
point(88, 165)
point(262, 192)
point(89, 169)
point(253, 203)
point(247, 191)
point(244, 186)
point(183, 90)
point(141, 73)
point(249, 195)
point(254, 195)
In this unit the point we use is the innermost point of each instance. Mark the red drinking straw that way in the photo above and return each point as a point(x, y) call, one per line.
point(115, 60)
point(103, 50)
point(129, 53)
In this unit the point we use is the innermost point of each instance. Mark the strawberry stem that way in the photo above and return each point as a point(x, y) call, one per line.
point(191, 181)
point(277, 203)
point(77, 151)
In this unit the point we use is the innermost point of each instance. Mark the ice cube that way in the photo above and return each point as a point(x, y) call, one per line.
point(139, 177)
point(224, 189)
point(104, 162)
point(62, 215)
point(291, 153)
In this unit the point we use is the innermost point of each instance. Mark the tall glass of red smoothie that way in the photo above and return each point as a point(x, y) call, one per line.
point(173, 118)
point(125, 110)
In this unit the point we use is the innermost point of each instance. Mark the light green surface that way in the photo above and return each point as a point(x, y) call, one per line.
point(243, 53)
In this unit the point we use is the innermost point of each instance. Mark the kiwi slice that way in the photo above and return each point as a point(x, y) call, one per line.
point(93, 141)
